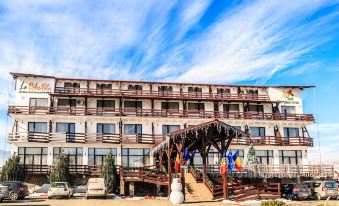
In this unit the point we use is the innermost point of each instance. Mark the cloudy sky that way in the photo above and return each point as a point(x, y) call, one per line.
point(244, 42)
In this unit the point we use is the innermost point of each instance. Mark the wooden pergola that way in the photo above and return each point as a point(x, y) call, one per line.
point(200, 137)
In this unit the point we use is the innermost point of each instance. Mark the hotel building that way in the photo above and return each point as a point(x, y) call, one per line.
point(88, 118)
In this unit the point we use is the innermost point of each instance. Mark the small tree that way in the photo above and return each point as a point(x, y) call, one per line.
point(251, 156)
point(109, 173)
point(12, 170)
point(60, 171)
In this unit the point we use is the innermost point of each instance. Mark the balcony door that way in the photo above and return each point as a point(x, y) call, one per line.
point(133, 130)
point(37, 131)
point(133, 106)
point(68, 129)
point(105, 106)
point(72, 87)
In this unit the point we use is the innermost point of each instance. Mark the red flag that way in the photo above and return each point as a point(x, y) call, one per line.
point(223, 166)
point(177, 163)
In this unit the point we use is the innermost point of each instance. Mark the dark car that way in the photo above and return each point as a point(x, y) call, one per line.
point(295, 192)
point(16, 190)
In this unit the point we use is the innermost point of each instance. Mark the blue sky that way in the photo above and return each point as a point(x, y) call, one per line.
point(247, 42)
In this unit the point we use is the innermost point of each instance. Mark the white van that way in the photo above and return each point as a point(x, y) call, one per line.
point(96, 188)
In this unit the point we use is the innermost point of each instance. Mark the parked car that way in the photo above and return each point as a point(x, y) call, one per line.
point(16, 189)
point(96, 188)
point(3, 192)
point(323, 189)
point(60, 189)
point(296, 192)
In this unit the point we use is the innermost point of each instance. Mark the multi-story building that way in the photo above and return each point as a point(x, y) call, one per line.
point(88, 118)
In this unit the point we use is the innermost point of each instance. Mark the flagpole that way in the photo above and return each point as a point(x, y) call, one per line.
point(225, 185)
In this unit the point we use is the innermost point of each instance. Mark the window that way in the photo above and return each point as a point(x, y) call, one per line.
point(256, 108)
point(96, 156)
point(38, 102)
point(68, 128)
point(104, 88)
point(134, 87)
point(33, 155)
point(170, 105)
point(71, 85)
point(74, 154)
point(37, 127)
point(194, 91)
point(169, 128)
point(133, 104)
point(135, 157)
point(210, 160)
point(221, 92)
point(196, 106)
point(132, 129)
point(105, 103)
point(67, 102)
point(264, 156)
point(165, 90)
point(231, 107)
point(288, 109)
point(291, 132)
point(105, 128)
point(290, 157)
point(257, 131)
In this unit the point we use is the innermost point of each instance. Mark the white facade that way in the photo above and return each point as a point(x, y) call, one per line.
point(26, 119)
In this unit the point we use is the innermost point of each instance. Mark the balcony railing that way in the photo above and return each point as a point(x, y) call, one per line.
point(192, 114)
point(275, 141)
point(84, 138)
point(160, 94)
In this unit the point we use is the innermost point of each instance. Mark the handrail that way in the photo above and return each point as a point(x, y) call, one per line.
point(172, 113)
point(160, 94)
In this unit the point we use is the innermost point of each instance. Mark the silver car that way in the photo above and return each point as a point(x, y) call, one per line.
point(60, 189)
point(3, 192)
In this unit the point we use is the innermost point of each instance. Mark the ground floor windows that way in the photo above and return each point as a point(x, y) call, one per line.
point(135, 157)
point(74, 154)
point(290, 157)
point(33, 155)
point(264, 156)
point(96, 156)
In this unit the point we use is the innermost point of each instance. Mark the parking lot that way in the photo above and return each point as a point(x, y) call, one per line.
point(43, 201)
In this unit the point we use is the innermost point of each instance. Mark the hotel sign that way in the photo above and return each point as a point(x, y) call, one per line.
point(289, 97)
point(35, 87)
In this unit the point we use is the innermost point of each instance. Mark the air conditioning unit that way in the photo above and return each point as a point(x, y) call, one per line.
point(80, 102)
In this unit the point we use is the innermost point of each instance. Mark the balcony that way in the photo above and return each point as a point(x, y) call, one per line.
point(274, 141)
point(191, 114)
point(147, 94)
point(85, 138)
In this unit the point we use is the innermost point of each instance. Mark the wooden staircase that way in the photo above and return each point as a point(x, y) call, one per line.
point(195, 191)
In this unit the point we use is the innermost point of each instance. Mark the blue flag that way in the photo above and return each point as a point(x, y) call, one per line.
point(187, 155)
point(230, 162)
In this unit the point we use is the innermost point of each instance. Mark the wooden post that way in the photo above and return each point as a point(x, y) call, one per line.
point(182, 172)
point(169, 168)
point(225, 185)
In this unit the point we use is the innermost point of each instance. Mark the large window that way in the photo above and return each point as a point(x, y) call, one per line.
point(194, 90)
point(74, 154)
point(72, 85)
point(169, 128)
point(257, 131)
point(290, 157)
point(34, 127)
point(104, 88)
point(96, 156)
point(256, 108)
point(264, 156)
point(68, 128)
point(134, 87)
point(135, 157)
point(221, 92)
point(133, 104)
point(170, 105)
point(105, 128)
point(33, 155)
point(291, 132)
point(165, 90)
point(105, 104)
point(231, 107)
point(196, 106)
point(132, 129)
point(38, 102)
point(67, 102)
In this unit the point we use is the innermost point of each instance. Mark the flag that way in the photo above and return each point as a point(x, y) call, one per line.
point(230, 161)
point(187, 155)
point(223, 166)
point(236, 159)
point(177, 163)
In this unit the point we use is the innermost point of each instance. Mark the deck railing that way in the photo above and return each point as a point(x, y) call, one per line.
point(160, 94)
point(85, 137)
point(171, 113)
point(272, 140)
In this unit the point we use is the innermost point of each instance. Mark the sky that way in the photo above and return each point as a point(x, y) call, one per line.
point(243, 42)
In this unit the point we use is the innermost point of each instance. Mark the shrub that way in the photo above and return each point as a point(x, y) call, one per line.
point(273, 203)
point(60, 171)
point(109, 173)
point(12, 170)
